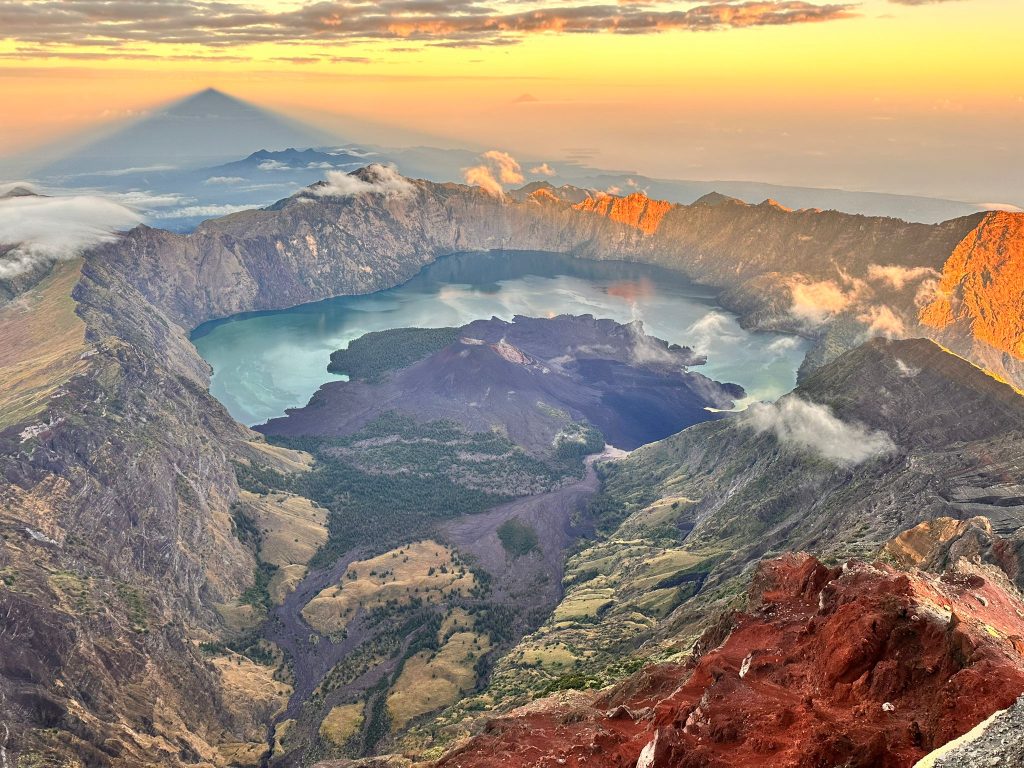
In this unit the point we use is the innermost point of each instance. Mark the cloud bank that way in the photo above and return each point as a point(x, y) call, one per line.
point(812, 427)
point(126, 26)
point(375, 179)
point(48, 229)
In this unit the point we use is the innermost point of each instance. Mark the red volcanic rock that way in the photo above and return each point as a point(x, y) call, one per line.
point(982, 285)
point(636, 210)
point(860, 666)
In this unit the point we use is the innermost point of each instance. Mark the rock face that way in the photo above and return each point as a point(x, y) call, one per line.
point(996, 742)
point(979, 299)
point(860, 666)
point(532, 377)
point(118, 549)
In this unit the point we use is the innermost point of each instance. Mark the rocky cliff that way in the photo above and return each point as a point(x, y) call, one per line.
point(977, 306)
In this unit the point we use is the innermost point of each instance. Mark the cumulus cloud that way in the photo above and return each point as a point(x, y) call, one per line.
point(897, 276)
point(543, 170)
point(495, 171)
point(815, 302)
point(375, 179)
point(48, 229)
point(813, 427)
point(883, 321)
point(125, 28)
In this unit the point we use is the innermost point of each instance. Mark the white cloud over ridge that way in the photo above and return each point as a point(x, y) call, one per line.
point(48, 229)
point(375, 179)
point(495, 171)
point(813, 427)
point(815, 302)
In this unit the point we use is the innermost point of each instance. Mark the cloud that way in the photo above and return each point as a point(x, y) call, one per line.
point(216, 180)
point(48, 229)
point(707, 333)
point(274, 165)
point(920, 2)
point(497, 169)
point(543, 170)
point(813, 427)
point(127, 28)
point(897, 276)
point(205, 211)
point(1004, 207)
point(883, 321)
point(374, 179)
point(815, 302)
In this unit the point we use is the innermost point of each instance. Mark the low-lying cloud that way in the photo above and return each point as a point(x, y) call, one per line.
point(813, 427)
point(883, 320)
point(815, 302)
point(496, 169)
point(543, 170)
point(898, 276)
point(48, 229)
point(375, 179)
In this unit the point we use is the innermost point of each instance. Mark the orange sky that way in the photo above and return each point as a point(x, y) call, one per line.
point(883, 95)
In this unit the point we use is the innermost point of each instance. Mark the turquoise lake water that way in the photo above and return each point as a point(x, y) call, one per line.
point(266, 362)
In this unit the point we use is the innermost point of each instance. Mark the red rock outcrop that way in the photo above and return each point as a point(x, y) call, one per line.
point(982, 285)
point(856, 666)
point(636, 210)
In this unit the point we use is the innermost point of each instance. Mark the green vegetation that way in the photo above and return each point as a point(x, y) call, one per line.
point(138, 615)
point(577, 440)
point(394, 478)
point(518, 538)
point(258, 595)
point(369, 358)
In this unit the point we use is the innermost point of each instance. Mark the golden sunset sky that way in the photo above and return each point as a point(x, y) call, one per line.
point(915, 96)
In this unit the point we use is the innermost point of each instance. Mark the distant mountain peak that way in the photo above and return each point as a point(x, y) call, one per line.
point(18, 190)
point(713, 199)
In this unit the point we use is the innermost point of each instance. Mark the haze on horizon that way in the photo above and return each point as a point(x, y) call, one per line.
point(908, 96)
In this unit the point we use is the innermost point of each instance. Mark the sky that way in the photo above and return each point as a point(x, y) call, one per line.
point(912, 96)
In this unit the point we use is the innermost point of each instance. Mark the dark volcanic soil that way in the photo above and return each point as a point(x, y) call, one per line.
point(526, 377)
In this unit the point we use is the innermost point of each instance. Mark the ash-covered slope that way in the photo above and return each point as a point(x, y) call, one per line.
point(531, 378)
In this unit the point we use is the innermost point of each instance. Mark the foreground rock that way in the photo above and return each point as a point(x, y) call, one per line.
point(860, 666)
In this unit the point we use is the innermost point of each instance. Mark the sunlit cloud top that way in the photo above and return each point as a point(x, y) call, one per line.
point(126, 27)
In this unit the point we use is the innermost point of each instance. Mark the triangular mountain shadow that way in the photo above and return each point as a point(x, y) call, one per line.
point(202, 129)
